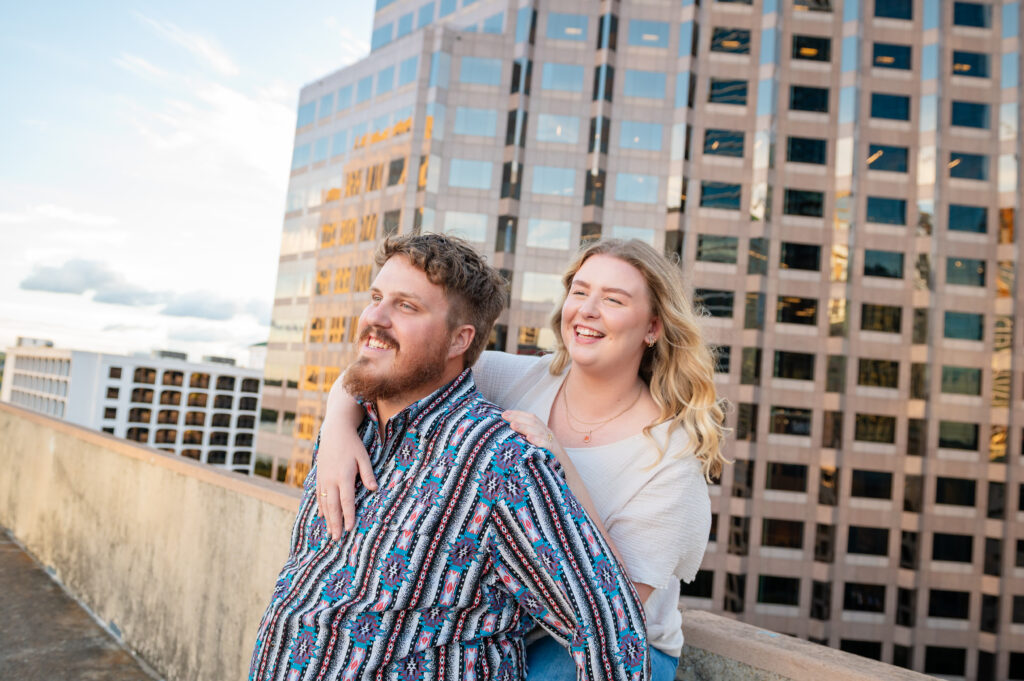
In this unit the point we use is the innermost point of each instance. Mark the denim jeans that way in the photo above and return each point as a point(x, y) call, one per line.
point(547, 660)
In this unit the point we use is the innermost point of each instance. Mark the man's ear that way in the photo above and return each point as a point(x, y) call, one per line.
point(462, 338)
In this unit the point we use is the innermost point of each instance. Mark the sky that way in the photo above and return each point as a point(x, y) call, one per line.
point(144, 157)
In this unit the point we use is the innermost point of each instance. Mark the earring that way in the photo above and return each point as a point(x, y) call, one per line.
point(651, 341)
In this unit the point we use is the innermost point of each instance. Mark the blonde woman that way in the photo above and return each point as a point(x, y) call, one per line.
point(627, 404)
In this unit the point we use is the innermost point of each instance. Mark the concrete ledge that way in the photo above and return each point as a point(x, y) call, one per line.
point(179, 557)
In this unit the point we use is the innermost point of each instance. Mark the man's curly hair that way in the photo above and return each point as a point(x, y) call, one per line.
point(476, 292)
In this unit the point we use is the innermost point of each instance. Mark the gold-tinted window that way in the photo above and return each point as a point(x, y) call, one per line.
point(170, 397)
point(347, 232)
point(166, 435)
point(144, 395)
point(368, 228)
point(374, 177)
point(138, 434)
point(167, 416)
point(144, 375)
point(316, 330)
point(197, 399)
point(311, 378)
point(330, 376)
point(343, 280)
point(139, 415)
point(328, 235)
point(195, 418)
point(353, 182)
point(364, 275)
point(173, 378)
point(336, 332)
point(192, 437)
point(323, 282)
point(304, 427)
point(199, 381)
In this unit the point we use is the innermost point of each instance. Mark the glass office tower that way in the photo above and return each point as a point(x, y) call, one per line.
point(840, 183)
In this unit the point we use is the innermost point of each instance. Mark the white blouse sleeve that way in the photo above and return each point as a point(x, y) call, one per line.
point(496, 373)
point(663, 530)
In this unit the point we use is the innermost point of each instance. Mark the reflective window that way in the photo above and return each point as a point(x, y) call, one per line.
point(404, 25)
point(730, 40)
point(795, 256)
point(885, 318)
point(541, 288)
point(961, 380)
point(407, 71)
point(321, 149)
point(788, 421)
point(793, 310)
point(307, 114)
point(889, 56)
point(975, 14)
point(893, 107)
point(446, 8)
point(483, 122)
point(552, 128)
point(344, 99)
point(812, 5)
point(871, 484)
point(715, 248)
point(787, 534)
point(494, 23)
point(963, 326)
point(806, 150)
point(440, 66)
point(723, 142)
point(425, 15)
point(974, 64)
point(717, 303)
point(968, 218)
point(686, 39)
point(720, 195)
point(553, 181)
point(802, 98)
point(364, 89)
point(564, 77)
point(965, 272)
point(968, 166)
point(971, 115)
point(326, 107)
point(469, 174)
point(648, 84)
point(381, 36)
point(727, 91)
point(566, 27)
point(886, 211)
point(301, 155)
point(794, 365)
point(638, 135)
point(469, 226)
point(883, 264)
point(648, 33)
point(894, 9)
point(526, 25)
point(954, 491)
point(480, 71)
point(604, 82)
point(804, 202)
point(871, 541)
point(636, 188)
point(757, 256)
point(607, 32)
point(874, 428)
point(889, 159)
point(548, 233)
point(385, 80)
point(812, 47)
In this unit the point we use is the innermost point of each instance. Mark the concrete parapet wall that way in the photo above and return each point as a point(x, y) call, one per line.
point(179, 557)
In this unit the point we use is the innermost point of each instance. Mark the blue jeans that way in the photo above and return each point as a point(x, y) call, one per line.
point(547, 660)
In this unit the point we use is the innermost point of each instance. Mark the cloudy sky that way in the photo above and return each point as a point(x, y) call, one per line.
point(144, 153)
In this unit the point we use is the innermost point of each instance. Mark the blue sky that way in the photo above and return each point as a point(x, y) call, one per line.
point(144, 154)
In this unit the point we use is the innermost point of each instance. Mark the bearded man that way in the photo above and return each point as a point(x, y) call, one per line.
point(471, 537)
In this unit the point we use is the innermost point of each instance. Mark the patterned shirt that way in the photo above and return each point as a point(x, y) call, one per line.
point(471, 538)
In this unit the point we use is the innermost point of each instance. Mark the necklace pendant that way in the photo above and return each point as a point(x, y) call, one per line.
point(586, 438)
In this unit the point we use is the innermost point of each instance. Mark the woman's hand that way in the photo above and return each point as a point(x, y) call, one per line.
point(536, 431)
point(339, 459)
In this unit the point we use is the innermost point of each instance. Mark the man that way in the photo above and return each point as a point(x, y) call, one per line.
point(471, 536)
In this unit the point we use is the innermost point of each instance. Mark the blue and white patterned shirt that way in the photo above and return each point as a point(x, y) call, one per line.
point(471, 538)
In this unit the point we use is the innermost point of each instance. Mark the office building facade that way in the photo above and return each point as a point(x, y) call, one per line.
point(840, 183)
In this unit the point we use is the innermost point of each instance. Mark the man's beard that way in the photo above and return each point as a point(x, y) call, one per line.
point(407, 374)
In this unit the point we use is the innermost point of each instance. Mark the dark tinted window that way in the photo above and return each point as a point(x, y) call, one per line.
point(731, 40)
point(700, 587)
point(972, 14)
point(961, 380)
point(891, 159)
point(883, 264)
point(715, 248)
point(875, 428)
point(812, 47)
point(968, 166)
point(792, 310)
point(963, 325)
point(952, 547)
point(884, 318)
point(873, 541)
point(871, 484)
point(894, 9)
point(794, 256)
point(947, 661)
point(720, 195)
point(794, 365)
point(954, 491)
point(812, 5)
point(886, 211)
point(973, 64)
point(965, 272)
point(869, 649)
point(787, 534)
point(958, 435)
point(727, 91)
point(865, 597)
point(880, 373)
point(806, 150)
point(970, 114)
point(778, 590)
point(789, 421)
point(803, 98)
point(968, 218)
point(889, 56)
point(953, 604)
point(718, 303)
point(893, 107)
point(723, 142)
point(804, 202)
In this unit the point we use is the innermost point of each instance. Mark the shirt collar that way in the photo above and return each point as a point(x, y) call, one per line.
point(424, 408)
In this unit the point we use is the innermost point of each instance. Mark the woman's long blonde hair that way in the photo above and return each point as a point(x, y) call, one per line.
point(680, 368)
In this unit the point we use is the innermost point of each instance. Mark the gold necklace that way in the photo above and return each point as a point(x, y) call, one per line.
point(569, 418)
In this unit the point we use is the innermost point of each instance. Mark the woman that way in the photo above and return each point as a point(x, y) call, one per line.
point(627, 404)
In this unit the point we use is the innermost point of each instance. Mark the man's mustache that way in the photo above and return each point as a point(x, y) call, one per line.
point(380, 334)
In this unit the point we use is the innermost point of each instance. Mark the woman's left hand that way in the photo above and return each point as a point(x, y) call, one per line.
point(534, 430)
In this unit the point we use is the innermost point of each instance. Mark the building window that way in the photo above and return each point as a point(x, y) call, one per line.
point(803, 98)
point(466, 174)
point(142, 395)
point(757, 256)
point(715, 248)
point(778, 590)
point(562, 77)
point(806, 150)
point(961, 380)
point(974, 64)
point(794, 256)
point(794, 365)
point(730, 40)
point(824, 543)
point(735, 586)
point(723, 91)
point(908, 550)
point(906, 607)
point(636, 188)
point(871, 484)
point(884, 318)
point(952, 547)
point(970, 115)
point(115, 372)
point(786, 534)
point(892, 107)
point(651, 33)
point(954, 491)
point(871, 541)
point(804, 202)
point(604, 82)
point(883, 264)
point(812, 47)
point(167, 416)
point(723, 142)
point(700, 587)
point(968, 218)
point(976, 14)
point(559, 129)
point(832, 431)
point(112, 393)
point(199, 381)
point(958, 435)
point(110, 413)
point(886, 211)
point(951, 604)
point(721, 195)
point(566, 27)
point(886, 158)
point(787, 477)
point(138, 434)
point(875, 428)
point(718, 303)
point(480, 71)
point(889, 56)
point(746, 422)
point(864, 597)
point(646, 84)
point(880, 373)
point(968, 166)
point(812, 6)
point(965, 272)
point(750, 366)
point(469, 121)
point(792, 310)
point(553, 181)
point(742, 487)
point(593, 192)
point(963, 325)
point(722, 355)
point(144, 375)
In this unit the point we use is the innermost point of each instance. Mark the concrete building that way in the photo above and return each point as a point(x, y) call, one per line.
point(840, 182)
point(203, 411)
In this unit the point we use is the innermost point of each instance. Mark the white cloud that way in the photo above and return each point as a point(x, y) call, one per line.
point(46, 212)
point(200, 46)
point(139, 66)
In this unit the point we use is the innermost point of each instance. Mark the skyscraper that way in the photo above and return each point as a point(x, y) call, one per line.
point(840, 183)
